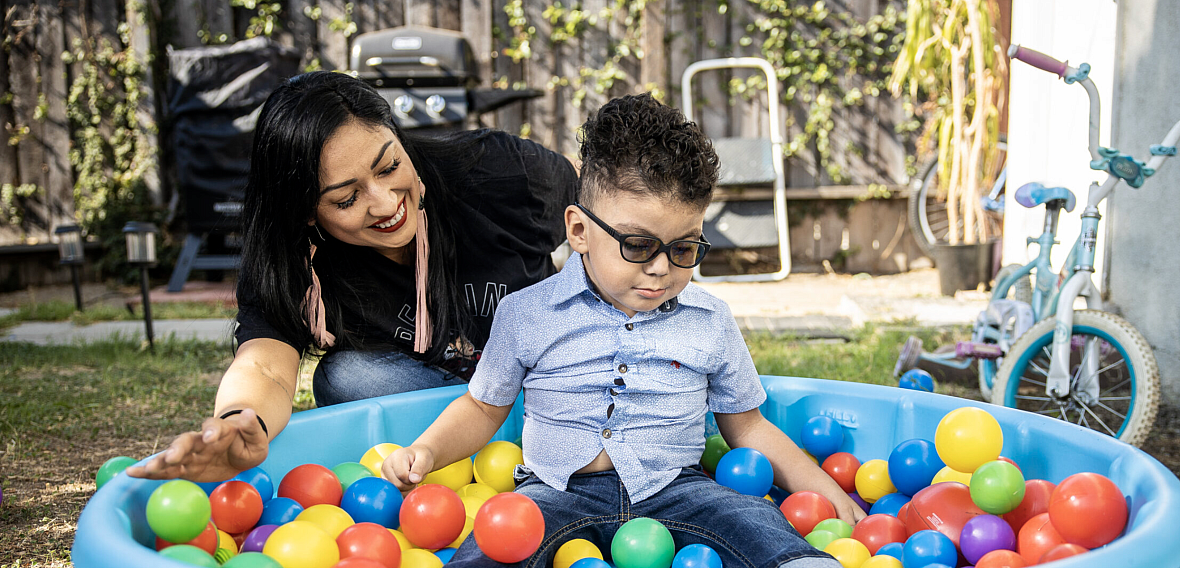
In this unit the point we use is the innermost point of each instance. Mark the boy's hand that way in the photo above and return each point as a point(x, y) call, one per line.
point(846, 509)
point(406, 467)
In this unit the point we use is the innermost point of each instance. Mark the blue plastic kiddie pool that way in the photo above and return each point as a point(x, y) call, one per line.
point(113, 530)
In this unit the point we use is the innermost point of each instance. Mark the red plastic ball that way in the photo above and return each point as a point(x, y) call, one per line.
point(311, 484)
point(1088, 509)
point(1036, 538)
point(1063, 551)
point(206, 541)
point(362, 562)
point(1009, 460)
point(806, 509)
point(509, 527)
point(432, 516)
point(369, 541)
point(236, 505)
point(944, 507)
point(1035, 502)
point(842, 467)
point(1001, 559)
point(875, 531)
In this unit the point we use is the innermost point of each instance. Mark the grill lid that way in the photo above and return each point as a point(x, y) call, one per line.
point(414, 56)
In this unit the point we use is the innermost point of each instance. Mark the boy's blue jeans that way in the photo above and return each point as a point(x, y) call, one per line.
point(747, 532)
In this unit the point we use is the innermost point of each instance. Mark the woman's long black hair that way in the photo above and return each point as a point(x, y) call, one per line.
point(282, 192)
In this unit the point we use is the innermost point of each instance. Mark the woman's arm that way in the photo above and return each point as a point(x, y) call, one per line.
point(261, 383)
point(793, 470)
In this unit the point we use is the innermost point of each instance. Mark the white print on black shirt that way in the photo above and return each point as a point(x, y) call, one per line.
point(406, 315)
point(491, 298)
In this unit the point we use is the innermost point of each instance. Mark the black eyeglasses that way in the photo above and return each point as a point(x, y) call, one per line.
point(642, 248)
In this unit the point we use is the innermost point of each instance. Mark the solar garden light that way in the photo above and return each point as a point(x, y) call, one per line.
point(141, 251)
point(69, 248)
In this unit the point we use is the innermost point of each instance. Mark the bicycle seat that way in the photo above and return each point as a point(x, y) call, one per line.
point(1032, 194)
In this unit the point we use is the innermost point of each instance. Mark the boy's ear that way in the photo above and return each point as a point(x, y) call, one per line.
point(575, 229)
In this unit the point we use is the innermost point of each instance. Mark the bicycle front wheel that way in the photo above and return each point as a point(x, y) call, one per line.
point(1127, 377)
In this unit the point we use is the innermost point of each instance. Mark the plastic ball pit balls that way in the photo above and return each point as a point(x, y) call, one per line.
point(927, 547)
point(401, 539)
point(913, 465)
point(311, 484)
point(967, 438)
point(509, 527)
point(876, 531)
point(178, 511)
point(864, 505)
point(420, 558)
point(1001, 559)
point(894, 549)
point(822, 436)
point(1037, 537)
point(947, 474)
point(642, 543)
point(695, 556)
point(332, 519)
point(110, 469)
point(882, 561)
point(984, 534)
point(944, 507)
point(372, 541)
point(454, 476)
point(1088, 509)
point(872, 480)
point(261, 481)
point(746, 471)
point(206, 541)
point(445, 554)
point(226, 542)
point(256, 539)
point(373, 500)
point(189, 554)
point(836, 527)
point(359, 562)
point(997, 487)
point(889, 504)
point(574, 550)
point(236, 506)
point(805, 509)
point(842, 466)
point(715, 447)
point(375, 456)
point(495, 463)
point(432, 516)
point(916, 379)
point(1035, 502)
point(590, 563)
point(1063, 551)
point(820, 539)
point(221, 555)
point(349, 472)
point(848, 552)
point(251, 560)
point(468, 526)
point(301, 544)
point(280, 511)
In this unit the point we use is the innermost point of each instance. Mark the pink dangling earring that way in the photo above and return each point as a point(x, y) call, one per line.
point(423, 329)
point(313, 305)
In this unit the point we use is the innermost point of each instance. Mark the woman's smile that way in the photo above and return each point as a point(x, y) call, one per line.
point(391, 224)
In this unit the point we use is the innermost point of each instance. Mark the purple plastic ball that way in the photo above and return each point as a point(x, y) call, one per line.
point(863, 504)
point(983, 534)
point(257, 538)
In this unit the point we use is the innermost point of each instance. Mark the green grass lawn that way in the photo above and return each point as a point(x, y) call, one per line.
point(57, 310)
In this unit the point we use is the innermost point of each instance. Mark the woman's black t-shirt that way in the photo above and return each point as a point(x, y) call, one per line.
point(508, 218)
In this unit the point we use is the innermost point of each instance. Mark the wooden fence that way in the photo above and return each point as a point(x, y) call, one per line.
point(670, 34)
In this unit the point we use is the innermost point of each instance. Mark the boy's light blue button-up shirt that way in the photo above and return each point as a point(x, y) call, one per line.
point(596, 380)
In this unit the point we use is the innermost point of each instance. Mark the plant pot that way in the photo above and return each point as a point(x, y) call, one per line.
point(963, 267)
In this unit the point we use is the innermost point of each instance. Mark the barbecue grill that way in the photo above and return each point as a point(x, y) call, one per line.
point(429, 76)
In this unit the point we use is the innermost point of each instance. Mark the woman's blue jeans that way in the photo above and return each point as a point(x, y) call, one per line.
point(345, 376)
point(747, 532)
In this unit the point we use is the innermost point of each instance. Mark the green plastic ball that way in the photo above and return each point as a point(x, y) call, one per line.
point(820, 539)
point(349, 472)
point(111, 468)
point(835, 526)
point(715, 447)
point(997, 487)
point(643, 543)
point(190, 554)
point(178, 511)
point(222, 555)
point(251, 560)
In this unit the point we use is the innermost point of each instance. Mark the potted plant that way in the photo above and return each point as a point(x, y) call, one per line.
point(952, 70)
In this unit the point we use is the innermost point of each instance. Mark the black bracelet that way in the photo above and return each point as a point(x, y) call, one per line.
point(239, 411)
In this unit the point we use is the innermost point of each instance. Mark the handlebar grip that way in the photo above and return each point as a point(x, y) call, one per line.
point(1037, 59)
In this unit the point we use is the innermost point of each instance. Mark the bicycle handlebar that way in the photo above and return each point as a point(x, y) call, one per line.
point(1037, 59)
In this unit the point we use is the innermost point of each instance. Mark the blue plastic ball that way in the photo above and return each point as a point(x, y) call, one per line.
point(261, 481)
point(746, 471)
point(893, 549)
point(822, 436)
point(373, 500)
point(208, 486)
point(279, 511)
point(445, 554)
point(590, 563)
point(927, 547)
point(889, 504)
point(913, 464)
point(696, 556)
point(916, 379)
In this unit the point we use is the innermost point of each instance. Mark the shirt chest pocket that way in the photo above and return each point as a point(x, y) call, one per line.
point(688, 371)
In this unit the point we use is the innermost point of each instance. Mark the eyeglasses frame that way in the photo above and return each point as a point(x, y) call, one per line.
point(665, 248)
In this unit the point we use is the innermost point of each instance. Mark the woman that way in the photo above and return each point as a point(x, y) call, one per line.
point(386, 252)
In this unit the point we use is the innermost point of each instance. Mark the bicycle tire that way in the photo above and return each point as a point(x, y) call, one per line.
point(1021, 291)
point(1017, 386)
point(926, 213)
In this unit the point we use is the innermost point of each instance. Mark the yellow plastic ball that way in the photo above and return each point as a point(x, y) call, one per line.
point(227, 542)
point(575, 550)
point(967, 438)
point(332, 519)
point(495, 463)
point(948, 474)
point(849, 552)
point(454, 476)
point(872, 480)
point(480, 491)
point(809, 456)
point(376, 456)
point(402, 540)
point(419, 558)
point(468, 525)
point(882, 561)
point(301, 544)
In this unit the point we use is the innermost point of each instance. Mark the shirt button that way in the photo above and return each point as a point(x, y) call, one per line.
point(622, 367)
point(630, 326)
point(606, 433)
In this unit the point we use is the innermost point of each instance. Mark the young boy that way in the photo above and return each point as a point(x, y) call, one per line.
point(620, 359)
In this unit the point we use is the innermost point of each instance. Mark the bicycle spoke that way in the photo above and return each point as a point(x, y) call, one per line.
point(1099, 420)
point(1028, 380)
point(1112, 365)
point(1031, 397)
point(1112, 411)
point(1116, 387)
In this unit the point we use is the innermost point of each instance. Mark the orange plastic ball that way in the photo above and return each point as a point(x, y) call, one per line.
point(311, 484)
point(875, 531)
point(1063, 551)
point(805, 509)
point(842, 466)
point(509, 527)
point(371, 541)
point(432, 516)
point(1088, 509)
point(1036, 538)
point(236, 505)
point(206, 541)
point(1001, 559)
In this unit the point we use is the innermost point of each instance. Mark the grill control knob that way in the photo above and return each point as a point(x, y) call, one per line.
point(403, 105)
point(435, 105)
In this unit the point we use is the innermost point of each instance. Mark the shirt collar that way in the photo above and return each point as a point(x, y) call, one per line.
point(573, 280)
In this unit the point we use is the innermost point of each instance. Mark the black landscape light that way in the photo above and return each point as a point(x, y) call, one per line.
point(141, 251)
point(69, 248)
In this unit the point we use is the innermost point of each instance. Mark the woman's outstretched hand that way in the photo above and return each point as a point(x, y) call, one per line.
point(222, 449)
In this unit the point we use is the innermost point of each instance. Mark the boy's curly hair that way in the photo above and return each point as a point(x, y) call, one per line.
point(638, 145)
